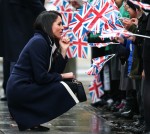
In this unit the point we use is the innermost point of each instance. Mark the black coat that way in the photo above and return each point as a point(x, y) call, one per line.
point(18, 20)
point(1, 28)
point(146, 46)
point(36, 95)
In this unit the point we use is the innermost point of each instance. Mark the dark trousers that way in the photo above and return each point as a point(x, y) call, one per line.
point(146, 93)
point(6, 73)
point(139, 93)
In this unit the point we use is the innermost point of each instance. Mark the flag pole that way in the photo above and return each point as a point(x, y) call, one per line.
point(139, 35)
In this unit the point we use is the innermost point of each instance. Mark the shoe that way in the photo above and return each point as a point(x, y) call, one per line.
point(113, 107)
point(127, 114)
point(140, 121)
point(136, 130)
point(3, 99)
point(100, 103)
point(40, 129)
point(146, 132)
point(117, 114)
point(119, 106)
point(37, 129)
point(124, 112)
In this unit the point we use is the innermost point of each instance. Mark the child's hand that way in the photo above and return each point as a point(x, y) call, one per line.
point(119, 39)
point(134, 21)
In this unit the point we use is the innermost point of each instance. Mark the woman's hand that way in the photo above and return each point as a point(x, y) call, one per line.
point(68, 75)
point(64, 44)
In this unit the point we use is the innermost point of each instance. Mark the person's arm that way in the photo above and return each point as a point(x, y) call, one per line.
point(39, 54)
point(64, 44)
point(96, 39)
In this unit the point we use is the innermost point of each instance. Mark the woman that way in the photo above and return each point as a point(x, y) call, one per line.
point(36, 91)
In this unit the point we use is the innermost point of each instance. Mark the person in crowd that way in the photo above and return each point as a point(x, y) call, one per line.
point(140, 21)
point(120, 50)
point(128, 83)
point(109, 96)
point(18, 17)
point(2, 48)
point(123, 11)
point(36, 89)
point(76, 4)
point(146, 66)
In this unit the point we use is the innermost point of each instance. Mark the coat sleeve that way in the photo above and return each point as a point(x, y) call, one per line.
point(95, 39)
point(40, 57)
point(59, 63)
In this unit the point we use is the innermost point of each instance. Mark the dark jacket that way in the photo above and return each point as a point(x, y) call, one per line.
point(35, 92)
point(148, 24)
point(18, 20)
point(146, 46)
point(1, 28)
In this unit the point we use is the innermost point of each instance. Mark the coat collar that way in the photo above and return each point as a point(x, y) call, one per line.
point(46, 37)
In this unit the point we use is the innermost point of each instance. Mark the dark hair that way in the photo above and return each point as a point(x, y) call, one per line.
point(45, 20)
point(133, 6)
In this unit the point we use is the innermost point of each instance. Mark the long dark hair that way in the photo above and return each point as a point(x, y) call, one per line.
point(45, 21)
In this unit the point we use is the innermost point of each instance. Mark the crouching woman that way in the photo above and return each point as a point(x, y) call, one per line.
point(36, 90)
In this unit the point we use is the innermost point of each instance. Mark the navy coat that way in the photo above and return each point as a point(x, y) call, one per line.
point(36, 95)
point(18, 19)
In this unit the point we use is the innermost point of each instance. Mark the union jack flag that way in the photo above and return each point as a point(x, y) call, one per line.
point(98, 18)
point(96, 89)
point(141, 5)
point(66, 18)
point(98, 64)
point(69, 33)
point(99, 45)
point(55, 2)
point(80, 18)
point(103, 11)
point(95, 2)
point(111, 33)
point(66, 11)
point(78, 47)
point(64, 6)
point(107, 20)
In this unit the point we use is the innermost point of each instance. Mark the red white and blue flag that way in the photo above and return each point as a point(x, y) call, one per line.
point(78, 46)
point(97, 17)
point(64, 6)
point(54, 2)
point(98, 64)
point(81, 18)
point(96, 89)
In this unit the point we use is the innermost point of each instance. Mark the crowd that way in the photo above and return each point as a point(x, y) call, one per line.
point(128, 96)
point(34, 56)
